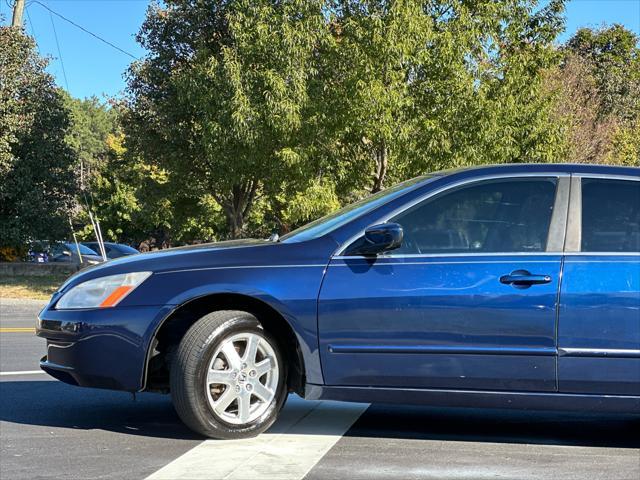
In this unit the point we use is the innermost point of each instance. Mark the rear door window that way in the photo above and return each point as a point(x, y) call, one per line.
point(610, 215)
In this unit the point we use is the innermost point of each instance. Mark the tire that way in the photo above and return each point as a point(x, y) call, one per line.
point(205, 375)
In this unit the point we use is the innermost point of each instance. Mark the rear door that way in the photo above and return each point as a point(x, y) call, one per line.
point(599, 320)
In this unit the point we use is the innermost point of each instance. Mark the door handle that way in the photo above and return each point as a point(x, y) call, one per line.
point(524, 279)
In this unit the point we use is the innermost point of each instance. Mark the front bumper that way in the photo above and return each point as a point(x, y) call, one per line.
point(102, 348)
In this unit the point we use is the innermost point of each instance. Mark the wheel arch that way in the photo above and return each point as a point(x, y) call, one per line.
point(168, 333)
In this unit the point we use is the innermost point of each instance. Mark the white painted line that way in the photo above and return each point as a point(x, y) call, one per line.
point(24, 372)
point(303, 434)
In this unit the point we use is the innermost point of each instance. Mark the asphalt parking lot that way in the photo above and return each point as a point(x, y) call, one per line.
point(52, 430)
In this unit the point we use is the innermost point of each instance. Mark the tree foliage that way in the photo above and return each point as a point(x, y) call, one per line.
point(92, 123)
point(249, 116)
point(220, 97)
point(126, 195)
point(613, 56)
point(37, 181)
point(599, 95)
point(258, 104)
point(418, 86)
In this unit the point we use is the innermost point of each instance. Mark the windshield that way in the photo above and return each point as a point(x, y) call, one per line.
point(83, 250)
point(340, 217)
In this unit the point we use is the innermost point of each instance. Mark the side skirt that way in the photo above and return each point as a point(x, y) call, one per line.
point(625, 404)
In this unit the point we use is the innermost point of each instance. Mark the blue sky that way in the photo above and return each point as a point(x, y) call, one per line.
point(93, 68)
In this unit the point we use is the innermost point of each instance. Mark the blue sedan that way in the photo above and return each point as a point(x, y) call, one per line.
point(504, 286)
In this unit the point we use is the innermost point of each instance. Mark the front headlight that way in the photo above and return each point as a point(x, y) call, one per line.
point(102, 292)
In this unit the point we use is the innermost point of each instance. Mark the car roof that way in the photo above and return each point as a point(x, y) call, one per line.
point(117, 246)
point(111, 244)
point(569, 168)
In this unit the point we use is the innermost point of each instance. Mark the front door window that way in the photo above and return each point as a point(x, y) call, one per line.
point(497, 216)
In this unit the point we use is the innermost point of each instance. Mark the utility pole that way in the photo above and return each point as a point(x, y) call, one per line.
point(18, 9)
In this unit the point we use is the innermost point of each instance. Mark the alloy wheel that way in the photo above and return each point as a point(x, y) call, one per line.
point(242, 378)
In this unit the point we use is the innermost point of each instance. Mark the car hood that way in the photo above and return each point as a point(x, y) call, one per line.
point(167, 257)
point(233, 252)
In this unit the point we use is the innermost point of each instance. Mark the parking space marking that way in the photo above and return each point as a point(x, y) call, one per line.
point(17, 330)
point(24, 372)
point(304, 433)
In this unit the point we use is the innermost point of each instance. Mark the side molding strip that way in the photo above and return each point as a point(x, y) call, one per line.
point(599, 352)
point(439, 349)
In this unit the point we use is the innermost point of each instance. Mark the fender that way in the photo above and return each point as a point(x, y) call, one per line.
point(299, 313)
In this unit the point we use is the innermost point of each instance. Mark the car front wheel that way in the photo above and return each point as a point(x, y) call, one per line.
point(228, 379)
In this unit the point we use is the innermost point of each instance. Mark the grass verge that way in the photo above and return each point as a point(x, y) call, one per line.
point(37, 288)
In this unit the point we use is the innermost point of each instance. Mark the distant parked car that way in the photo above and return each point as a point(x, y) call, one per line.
point(68, 252)
point(114, 250)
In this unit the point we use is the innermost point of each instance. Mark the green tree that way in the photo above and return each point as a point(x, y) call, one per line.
point(410, 87)
point(92, 122)
point(219, 99)
point(614, 57)
point(132, 199)
point(515, 113)
point(364, 95)
point(128, 196)
point(625, 146)
point(37, 180)
point(598, 101)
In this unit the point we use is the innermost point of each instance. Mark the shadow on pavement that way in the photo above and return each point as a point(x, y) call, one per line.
point(55, 404)
point(498, 426)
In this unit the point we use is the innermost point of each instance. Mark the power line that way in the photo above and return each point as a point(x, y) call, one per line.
point(84, 29)
point(55, 34)
point(9, 11)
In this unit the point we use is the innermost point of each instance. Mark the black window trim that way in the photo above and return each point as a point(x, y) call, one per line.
point(573, 243)
point(557, 227)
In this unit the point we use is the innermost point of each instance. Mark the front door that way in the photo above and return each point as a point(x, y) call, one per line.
point(468, 301)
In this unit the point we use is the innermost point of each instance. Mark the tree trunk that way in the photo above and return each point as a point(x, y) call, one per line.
point(382, 161)
point(237, 206)
point(235, 222)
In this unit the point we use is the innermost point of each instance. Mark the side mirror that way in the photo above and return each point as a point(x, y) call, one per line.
point(377, 239)
point(66, 253)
